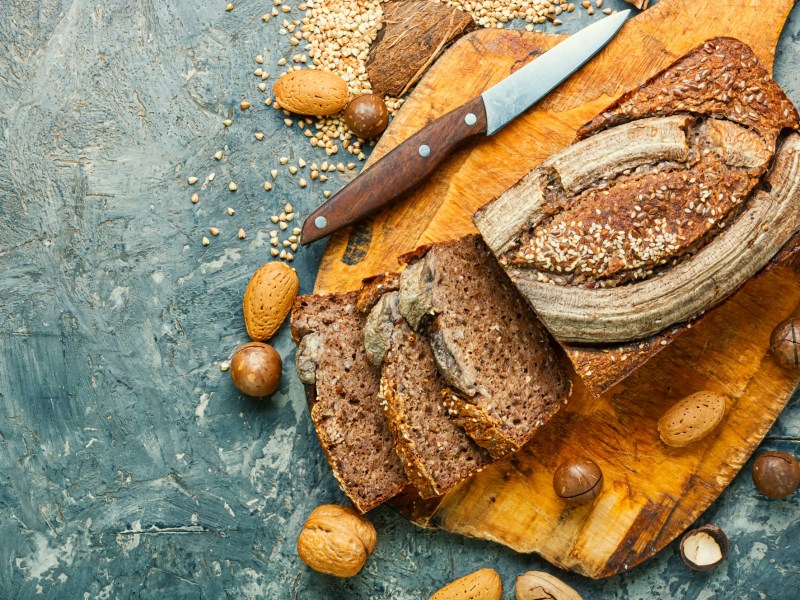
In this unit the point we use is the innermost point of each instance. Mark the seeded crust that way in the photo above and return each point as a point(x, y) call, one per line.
point(343, 391)
point(721, 78)
point(487, 343)
point(436, 453)
point(634, 224)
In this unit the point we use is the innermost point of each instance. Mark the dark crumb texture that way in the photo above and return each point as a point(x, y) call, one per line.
point(491, 347)
point(436, 453)
point(345, 407)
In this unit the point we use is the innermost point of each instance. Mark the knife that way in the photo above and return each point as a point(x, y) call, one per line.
point(418, 156)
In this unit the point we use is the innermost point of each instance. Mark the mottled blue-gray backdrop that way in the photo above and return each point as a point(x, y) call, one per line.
point(130, 466)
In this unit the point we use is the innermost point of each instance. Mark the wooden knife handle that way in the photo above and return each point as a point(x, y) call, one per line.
point(397, 172)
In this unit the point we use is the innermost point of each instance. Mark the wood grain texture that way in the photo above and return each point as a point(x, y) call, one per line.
point(652, 492)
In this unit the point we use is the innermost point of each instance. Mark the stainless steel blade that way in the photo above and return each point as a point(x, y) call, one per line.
point(531, 83)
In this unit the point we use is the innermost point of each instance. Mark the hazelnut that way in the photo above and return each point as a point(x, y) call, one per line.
point(256, 369)
point(776, 474)
point(336, 540)
point(704, 548)
point(578, 481)
point(784, 343)
point(366, 116)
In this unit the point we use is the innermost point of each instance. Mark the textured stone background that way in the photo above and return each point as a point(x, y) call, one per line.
point(130, 466)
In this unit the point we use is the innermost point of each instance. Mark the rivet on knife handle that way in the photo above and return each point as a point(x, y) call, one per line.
point(397, 172)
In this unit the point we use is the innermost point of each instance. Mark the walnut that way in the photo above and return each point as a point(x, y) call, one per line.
point(336, 540)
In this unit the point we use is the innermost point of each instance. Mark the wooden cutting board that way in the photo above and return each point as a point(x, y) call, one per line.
point(652, 492)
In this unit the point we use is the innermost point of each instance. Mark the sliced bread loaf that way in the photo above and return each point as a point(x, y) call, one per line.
point(343, 393)
point(434, 450)
point(487, 343)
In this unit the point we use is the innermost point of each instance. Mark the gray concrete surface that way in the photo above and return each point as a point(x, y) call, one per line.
point(130, 467)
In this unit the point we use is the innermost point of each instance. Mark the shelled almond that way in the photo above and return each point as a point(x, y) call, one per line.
point(308, 92)
point(692, 418)
point(268, 299)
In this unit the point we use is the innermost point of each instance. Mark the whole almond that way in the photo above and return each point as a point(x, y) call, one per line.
point(484, 584)
point(314, 92)
point(268, 299)
point(691, 419)
point(537, 585)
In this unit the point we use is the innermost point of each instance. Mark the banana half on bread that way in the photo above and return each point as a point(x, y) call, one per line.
point(671, 199)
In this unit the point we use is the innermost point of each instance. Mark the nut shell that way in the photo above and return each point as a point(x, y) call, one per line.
point(578, 481)
point(776, 474)
point(692, 418)
point(689, 546)
point(336, 540)
point(367, 116)
point(537, 585)
point(256, 369)
point(484, 584)
point(311, 92)
point(784, 343)
point(268, 299)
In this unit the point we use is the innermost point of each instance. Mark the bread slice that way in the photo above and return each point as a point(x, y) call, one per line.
point(343, 391)
point(486, 341)
point(434, 450)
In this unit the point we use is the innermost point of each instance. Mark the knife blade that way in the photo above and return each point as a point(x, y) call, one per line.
point(417, 157)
